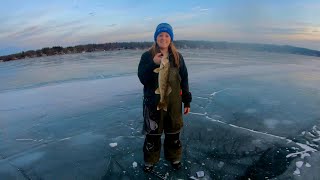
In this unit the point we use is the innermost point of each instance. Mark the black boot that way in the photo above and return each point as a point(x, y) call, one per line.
point(148, 168)
point(176, 166)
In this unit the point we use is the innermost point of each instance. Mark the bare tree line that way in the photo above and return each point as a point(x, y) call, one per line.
point(181, 44)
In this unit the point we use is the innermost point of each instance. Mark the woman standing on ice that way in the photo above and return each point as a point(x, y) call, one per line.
point(164, 74)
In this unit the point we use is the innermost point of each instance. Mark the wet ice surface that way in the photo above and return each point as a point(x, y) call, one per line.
point(254, 115)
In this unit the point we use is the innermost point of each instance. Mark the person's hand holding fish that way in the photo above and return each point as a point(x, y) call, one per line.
point(157, 58)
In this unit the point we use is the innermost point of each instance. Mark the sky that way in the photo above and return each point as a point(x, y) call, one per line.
point(34, 24)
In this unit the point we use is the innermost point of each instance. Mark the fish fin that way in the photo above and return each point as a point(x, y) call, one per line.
point(162, 105)
point(169, 90)
point(157, 91)
point(156, 70)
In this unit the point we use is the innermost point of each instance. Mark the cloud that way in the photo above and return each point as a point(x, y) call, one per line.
point(181, 17)
point(296, 33)
point(269, 33)
point(32, 31)
point(28, 31)
point(246, 23)
point(65, 25)
point(112, 25)
point(309, 6)
point(204, 31)
point(22, 25)
point(307, 36)
point(198, 9)
point(202, 10)
point(148, 18)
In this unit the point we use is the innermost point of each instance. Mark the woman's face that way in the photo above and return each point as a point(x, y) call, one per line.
point(163, 40)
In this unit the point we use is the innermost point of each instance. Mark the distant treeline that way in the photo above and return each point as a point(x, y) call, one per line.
point(182, 44)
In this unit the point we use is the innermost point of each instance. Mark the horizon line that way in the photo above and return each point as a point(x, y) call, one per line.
point(233, 42)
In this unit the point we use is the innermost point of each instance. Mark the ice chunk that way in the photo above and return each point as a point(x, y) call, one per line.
point(200, 174)
point(308, 165)
point(299, 164)
point(113, 144)
point(296, 172)
point(166, 175)
point(304, 155)
point(306, 148)
point(221, 164)
point(134, 164)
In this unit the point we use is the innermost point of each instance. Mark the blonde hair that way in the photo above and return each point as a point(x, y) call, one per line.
point(155, 49)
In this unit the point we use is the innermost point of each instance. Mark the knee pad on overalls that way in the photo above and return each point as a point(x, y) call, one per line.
point(172, 142)
point(152, 144)
point(176, 144)
point(150, 147)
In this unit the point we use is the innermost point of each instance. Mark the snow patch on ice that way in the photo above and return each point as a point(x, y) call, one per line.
point(113, 144)
point(308, 165)
point(315, 140)
point(312, 145)
point(314, 129)
point(200, 174)
point(306, 148)
point(134, 164)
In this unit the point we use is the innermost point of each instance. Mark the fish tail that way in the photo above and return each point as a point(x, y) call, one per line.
point(162, 105)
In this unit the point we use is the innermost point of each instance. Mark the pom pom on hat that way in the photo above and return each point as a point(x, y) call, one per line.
point(163, 27)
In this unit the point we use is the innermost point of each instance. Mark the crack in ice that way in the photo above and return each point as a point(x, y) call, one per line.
point(305, 147)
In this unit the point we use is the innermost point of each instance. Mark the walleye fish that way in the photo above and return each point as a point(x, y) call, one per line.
point(164, 88)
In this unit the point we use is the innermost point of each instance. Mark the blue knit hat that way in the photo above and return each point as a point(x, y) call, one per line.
point(163, 27)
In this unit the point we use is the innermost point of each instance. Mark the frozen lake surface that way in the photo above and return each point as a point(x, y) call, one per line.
point(254, 115)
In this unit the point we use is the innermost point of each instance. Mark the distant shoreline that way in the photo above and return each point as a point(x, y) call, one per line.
point(180, 44)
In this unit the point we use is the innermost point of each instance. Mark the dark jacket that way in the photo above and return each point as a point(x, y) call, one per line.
point(150, 79)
